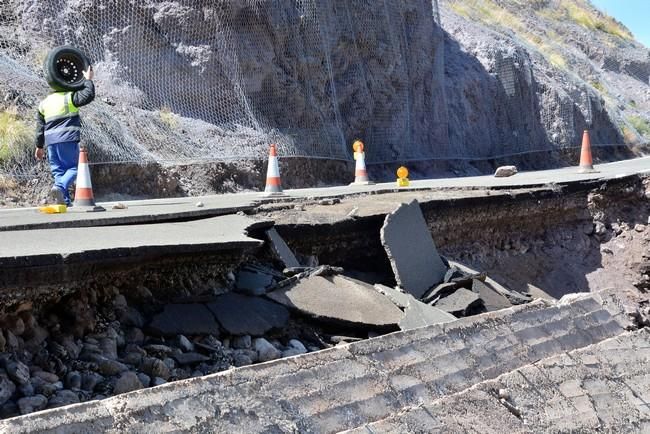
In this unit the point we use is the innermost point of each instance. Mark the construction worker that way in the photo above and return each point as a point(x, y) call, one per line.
point(59, 128)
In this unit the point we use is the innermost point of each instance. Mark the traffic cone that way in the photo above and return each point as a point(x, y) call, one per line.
point(84, 200)
point(360, 172)
point(273, 184)
point(586, 162)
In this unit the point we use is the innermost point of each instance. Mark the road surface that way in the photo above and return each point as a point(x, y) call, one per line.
point(159, 210)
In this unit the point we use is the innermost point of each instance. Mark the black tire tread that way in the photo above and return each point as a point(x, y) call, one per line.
point(51, 75)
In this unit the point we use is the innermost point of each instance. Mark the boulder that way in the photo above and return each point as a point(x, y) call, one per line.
point(505, 171)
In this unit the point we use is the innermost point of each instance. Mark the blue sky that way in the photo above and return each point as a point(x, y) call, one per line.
point(635, 14)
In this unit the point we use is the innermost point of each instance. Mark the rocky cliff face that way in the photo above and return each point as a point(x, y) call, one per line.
point(525, 75)
point(181, 80)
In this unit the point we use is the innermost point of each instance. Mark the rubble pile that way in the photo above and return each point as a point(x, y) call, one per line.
point(430, 278)
point(93, 345)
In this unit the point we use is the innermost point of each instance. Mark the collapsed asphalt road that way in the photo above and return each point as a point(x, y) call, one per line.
point(155, 314)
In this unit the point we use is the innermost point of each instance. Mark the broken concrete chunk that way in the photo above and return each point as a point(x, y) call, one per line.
point(467, 280)
point(411, 251)
point(340, 300)
point(439, 291)
point(492, 300)
point(513, 296)
point(416, 314)
point(281, 250)
point(505, 171)
point(253, 282)
point(453, 273)
point(184, 319)
point(421, 315)
point(398, 298)
point(536, 292)
point(242, 315)
point(460, 302)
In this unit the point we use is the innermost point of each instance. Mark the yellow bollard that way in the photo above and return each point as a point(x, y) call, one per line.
point(402, 177)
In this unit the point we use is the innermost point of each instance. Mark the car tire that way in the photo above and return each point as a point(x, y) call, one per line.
point(63, 68)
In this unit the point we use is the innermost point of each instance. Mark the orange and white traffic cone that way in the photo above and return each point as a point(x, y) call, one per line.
point(360, 172)
point(273, 184)
point(586, 162)
point(84, 200)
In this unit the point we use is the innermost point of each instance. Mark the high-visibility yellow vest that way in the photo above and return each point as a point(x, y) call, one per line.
point(62, 122)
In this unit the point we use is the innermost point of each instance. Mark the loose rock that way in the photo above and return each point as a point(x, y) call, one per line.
point(32, 404)
point(7, 389)
point(90, 380)
point(46, 376)
point(110, 367)
point(62, 398)
point(145, 380)
point(242, 342)
point(190, 358)
point(127, 382)
point(18, 371)
point(505, 171)
point(265, 350)
point(157, 381)
point(241, 359)
point(185, 344)
point(296, 344)
point(73, 380)
point(155, 368)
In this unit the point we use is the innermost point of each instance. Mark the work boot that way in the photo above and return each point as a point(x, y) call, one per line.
point(56, 195)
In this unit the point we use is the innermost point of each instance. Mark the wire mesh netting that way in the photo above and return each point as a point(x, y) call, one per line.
point(190, 80)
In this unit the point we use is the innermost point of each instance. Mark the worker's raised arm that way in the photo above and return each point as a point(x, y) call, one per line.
point(86, 95)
